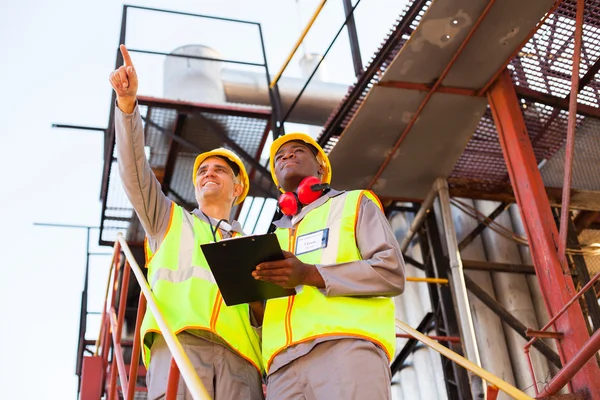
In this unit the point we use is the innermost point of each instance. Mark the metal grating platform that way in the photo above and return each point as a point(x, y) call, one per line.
point(175, 133)
point(541, 72)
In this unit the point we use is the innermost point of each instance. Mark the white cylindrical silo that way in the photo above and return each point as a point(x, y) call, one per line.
point(191, 79)
point(488, 326)
point(512, 291)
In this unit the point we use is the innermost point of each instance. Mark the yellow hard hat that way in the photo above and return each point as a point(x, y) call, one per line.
point(228, 155)
point(322, 158)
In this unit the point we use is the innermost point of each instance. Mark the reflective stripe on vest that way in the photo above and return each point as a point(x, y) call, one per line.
point(309, 314)
point(186, 292)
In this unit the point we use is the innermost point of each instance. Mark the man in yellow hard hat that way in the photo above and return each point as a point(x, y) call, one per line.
point(335, 338)
point(219, 340)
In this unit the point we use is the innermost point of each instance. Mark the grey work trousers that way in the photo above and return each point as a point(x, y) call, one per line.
point(344, 369)
point(225, 375)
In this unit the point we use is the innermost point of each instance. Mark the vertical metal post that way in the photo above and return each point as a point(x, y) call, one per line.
point(418, 220)
point(539, 224)
point(460, 288)
point(135, 353)
point(274, 95)
point(83, 311)
point(569, 146)
point(437, 266)
point(353, 37)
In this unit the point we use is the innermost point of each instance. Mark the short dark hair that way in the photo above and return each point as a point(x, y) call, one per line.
point(234, 167)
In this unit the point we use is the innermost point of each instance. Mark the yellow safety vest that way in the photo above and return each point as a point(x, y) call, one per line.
point(186, 293)
point(309, 314)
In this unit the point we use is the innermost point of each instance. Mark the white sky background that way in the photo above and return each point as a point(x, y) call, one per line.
point(56, 57)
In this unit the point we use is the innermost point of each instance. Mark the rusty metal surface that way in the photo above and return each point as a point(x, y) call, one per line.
point(543, 66)
point(377, 120)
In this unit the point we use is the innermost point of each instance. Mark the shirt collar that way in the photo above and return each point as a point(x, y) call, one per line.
point(288, 221)
point(233, 226)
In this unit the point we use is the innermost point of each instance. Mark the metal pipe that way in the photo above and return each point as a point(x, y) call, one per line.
point(117, 250)
point(117, 328)
point(353, 37)
point(418, 220)
point(308, 81)
point(589, 349)
point(118, 360)
point(463, 362)
point(566, 306)
point(240, 21)
point(189, 56)
point(135, 352)
point(459, 286)
point(570, 145)
point(190, 377)
point(414, 118)
point(453, 339)
point(315, 105)
point(298, 43)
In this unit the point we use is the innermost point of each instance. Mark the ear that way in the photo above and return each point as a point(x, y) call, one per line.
point(237, 190)
point(321, 171)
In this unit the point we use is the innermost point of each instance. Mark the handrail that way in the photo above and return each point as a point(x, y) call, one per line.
point(463, 362)
point(298, 43)
point(188, 372)
point(569, 370)
point(112, 325)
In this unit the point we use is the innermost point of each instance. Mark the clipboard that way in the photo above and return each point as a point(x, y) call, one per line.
point(232, 262)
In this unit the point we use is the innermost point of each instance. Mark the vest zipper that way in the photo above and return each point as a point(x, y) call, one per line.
point(218, 298)
point(288, 313)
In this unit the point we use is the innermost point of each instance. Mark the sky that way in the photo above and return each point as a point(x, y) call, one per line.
point(56, 58)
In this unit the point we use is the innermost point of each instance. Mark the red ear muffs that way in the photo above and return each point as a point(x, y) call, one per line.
point(309, 190)
point(289, 203)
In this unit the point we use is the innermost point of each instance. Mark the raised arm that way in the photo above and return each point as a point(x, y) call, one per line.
point(141, 186)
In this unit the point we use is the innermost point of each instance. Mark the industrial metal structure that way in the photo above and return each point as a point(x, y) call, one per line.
point(482, 100)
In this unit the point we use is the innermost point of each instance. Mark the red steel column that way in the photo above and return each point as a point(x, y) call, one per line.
point(541, 230)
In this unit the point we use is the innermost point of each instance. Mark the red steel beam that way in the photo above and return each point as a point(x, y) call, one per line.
point(135, 352)
point(570, 145)
point(173, 381)
point(526, 180)
point(559, 103)
point(585, 355)
point(430, 93)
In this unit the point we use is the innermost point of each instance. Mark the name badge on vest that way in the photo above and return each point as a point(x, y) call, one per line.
point(312, 241)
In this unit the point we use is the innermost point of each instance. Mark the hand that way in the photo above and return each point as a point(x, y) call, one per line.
point(124, 81)
point(289, 272)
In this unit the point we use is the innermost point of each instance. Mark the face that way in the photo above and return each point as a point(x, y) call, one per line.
point(215, 182)
point(293, 162)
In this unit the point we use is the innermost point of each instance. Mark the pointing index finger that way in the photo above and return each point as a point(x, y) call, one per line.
point(126, 57)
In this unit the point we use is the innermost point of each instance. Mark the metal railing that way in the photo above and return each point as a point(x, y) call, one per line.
point(109, 338)
point(259, 62)
point(591, 347)
point(495, 382)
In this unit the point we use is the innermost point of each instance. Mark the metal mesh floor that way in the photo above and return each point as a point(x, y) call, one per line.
point(203, 128)
point(544, 66)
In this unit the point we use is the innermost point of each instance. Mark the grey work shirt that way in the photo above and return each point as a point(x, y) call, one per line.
point(144, 191)
point(379, 273)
